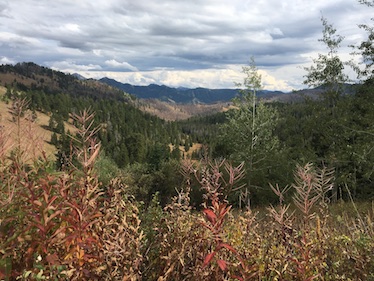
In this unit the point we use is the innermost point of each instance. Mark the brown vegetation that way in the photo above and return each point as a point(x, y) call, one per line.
point(67, 226)
point(172, 111)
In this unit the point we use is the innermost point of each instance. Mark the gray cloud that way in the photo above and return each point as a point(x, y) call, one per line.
point(151, 36)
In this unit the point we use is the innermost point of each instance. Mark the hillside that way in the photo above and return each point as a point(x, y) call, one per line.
point(172, 111)
point(162, 101)
point(32, 132)
point(184, 95)
point(127, 133)
point(30, 76)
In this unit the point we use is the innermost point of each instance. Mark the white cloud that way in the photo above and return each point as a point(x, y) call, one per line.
point(120, 65)
point(72, 67)
point(70, 28)
point(5, 60)
point(209, 78)
point(179, 43)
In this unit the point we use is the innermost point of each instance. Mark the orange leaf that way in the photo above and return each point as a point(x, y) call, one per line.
point(52, 259)
point(210, 215)
point(37, 202)
point(313, 277)
point(80, 253)
point(208, 258)
point(222, 265)
point(224, 210)
point(227, 246)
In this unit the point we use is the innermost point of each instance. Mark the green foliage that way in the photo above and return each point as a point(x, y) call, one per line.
point(127, 134)
point(366, 48)
point(54, 139)
point(328, 69)
point(106, 169)
point(136, 147)
point(145, 181)
point(56, 124)
point(158, 155)
point(66, 226)
point(248, 135)
point(202, 129)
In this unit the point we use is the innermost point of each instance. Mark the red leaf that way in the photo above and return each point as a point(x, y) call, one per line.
point(313, 277)
point(227, 246)
point(40, 227)
point(222, 265)
point(52, 259)
point(208, 258)
point(210, 215)
point(224, 211)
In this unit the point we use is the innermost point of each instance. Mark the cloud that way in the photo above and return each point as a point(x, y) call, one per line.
point(120, 65)
point(212, 78)
point(4, 11)
point(72, 67)
point(5, 60)
point(174, 41)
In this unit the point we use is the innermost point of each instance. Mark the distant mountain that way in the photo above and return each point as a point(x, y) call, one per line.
point(78, 76)
point(182, 95)
point(166, 102)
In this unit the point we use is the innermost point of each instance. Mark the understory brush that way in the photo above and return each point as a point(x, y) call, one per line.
point(66, 225)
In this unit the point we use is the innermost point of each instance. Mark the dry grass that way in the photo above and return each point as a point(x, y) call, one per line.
point(32, 132)
point(173, 111)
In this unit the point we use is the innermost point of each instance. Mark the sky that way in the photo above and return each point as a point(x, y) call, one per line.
point(178, 43)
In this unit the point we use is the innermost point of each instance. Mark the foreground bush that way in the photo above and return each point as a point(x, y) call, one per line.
point(67, 226)
point(64, 225)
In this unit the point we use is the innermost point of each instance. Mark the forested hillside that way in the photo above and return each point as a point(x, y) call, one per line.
point(59, 95)
point(342, 140)
point(129, 137)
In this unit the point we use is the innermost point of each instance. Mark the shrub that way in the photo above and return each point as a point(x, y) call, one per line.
point(65, 225)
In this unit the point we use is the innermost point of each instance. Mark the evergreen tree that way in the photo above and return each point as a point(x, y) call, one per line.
point(176, 153)
point(157, 155)
point(65, 156)
point(54, 139)
point(121, 155)
point(136, 147)
point(360, 176)
point(52, 123)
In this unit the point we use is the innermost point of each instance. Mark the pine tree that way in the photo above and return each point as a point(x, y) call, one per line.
point(54, 139)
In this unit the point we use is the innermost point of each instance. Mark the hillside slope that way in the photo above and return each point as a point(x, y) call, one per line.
point(173, 111)
point(34, 135)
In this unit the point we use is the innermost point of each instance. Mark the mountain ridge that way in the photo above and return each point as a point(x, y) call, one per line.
point(166, 102)
point(182, 94)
